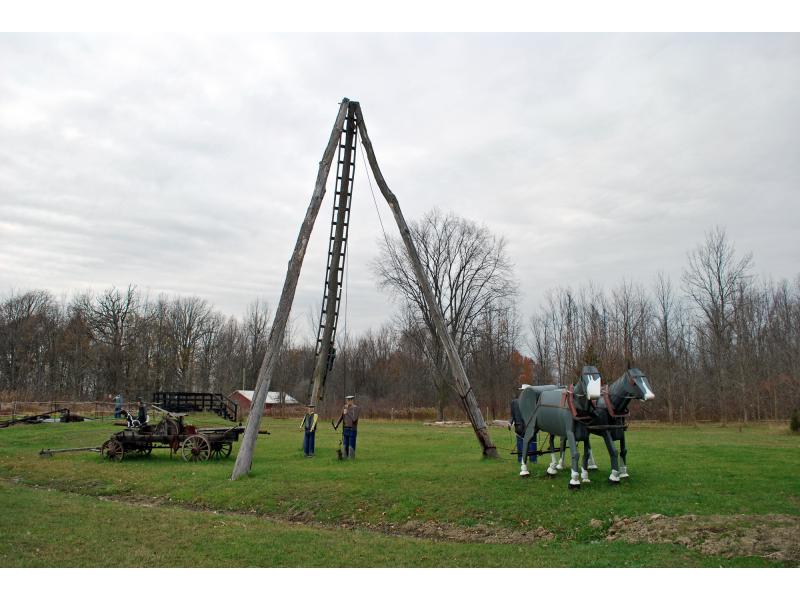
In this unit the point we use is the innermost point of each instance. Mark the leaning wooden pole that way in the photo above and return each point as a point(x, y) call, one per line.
point(462, 384)
point(244, 458)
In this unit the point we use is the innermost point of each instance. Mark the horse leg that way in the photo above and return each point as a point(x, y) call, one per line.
point(592, 466)
point(523, 459)
point(562, 454)
point(612, 452)
point(574, 481)
point(623, 454)
point(551, 470)
point(587, 449)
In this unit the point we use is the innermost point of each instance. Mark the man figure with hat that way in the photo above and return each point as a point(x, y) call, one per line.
point(309, 426)
point(142, 414)
point(350, 414)
point(118, 400)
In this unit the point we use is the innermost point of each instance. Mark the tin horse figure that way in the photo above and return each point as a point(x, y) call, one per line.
point(609, 415)
point(555, 411)
point(608, 421)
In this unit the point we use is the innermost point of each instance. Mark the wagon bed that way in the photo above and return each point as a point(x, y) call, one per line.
point(193, 443)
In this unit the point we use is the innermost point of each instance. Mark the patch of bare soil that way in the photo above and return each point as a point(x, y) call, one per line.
point(477, 534)
point(768, 536)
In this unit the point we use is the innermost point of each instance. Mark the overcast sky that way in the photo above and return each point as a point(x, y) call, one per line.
point(184, 164)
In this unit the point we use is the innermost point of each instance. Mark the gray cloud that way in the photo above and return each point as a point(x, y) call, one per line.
point(185, 164)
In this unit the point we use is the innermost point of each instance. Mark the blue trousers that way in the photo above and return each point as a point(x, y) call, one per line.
point(531, 448)
point(308, 442)
point(349, 437)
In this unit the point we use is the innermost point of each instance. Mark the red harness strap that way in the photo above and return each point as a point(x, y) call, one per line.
point(566, 400)
point(610, 405)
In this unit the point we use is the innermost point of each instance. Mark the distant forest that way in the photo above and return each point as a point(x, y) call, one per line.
point(716, 345)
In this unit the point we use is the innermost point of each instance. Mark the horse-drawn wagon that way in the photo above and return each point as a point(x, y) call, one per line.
point(193, 443)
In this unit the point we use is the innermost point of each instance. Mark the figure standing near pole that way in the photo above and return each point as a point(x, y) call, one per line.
point(309, 426)
point(349, 418)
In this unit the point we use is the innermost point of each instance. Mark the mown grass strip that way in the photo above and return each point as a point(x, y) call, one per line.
point(48, 528)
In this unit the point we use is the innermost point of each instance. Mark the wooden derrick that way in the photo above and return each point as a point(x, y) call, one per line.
point(245, 457)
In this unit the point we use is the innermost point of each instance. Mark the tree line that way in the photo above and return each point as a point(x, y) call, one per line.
point(716, 345)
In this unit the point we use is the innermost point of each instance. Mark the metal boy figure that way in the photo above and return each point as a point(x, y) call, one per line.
point(350, 414)
point(309, 426)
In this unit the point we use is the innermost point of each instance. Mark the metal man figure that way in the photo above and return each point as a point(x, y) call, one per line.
point(142, 415)
point(309, 426)
point(118, 400)
point(350, 414)
point(518, 424)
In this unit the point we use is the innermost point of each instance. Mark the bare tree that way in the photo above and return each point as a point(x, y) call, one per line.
point(711, 280)
point(190, 317)
point(108, 316)
point(493, 357)
point(469, 272)
point(665, 316)
point(256, 331)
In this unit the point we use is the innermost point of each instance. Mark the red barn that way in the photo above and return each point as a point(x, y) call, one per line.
point(244, 398)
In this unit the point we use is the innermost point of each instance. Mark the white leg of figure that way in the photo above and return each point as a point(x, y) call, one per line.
point(551, 470)
point(574, 479)
point(592, 465)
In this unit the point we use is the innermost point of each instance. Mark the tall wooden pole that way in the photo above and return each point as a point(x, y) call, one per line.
point(244, 458)
point(461, 381)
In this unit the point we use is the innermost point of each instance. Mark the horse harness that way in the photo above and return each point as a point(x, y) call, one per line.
point(568, 403)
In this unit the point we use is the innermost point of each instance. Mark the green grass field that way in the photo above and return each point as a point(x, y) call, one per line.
point(415, 496)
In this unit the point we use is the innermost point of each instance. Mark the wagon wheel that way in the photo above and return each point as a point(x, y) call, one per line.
point(196, 448)
point(221, 450)
point(113, 450)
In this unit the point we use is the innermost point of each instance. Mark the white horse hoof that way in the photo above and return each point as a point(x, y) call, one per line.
point(592, 467)
point(524, 474)
point(551, 471)
point(559, 467)
point(585, 477)
point(623, 475)
point(574, 485)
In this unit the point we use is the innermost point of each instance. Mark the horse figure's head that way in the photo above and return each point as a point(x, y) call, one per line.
point(587, 388)
point(633, 385)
